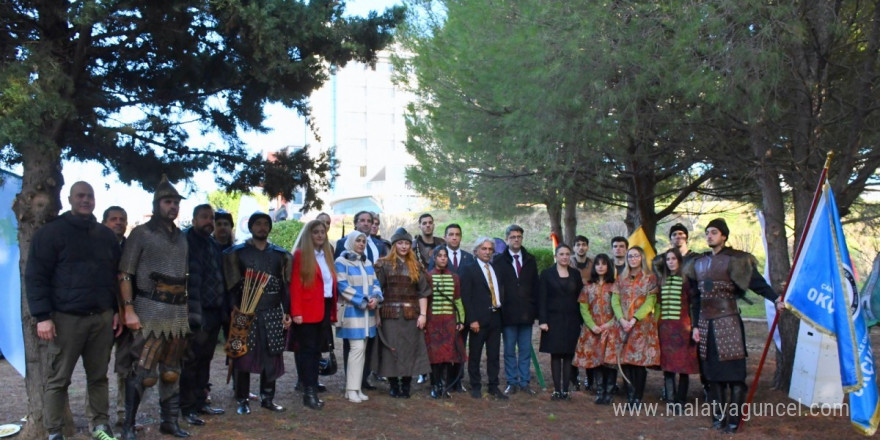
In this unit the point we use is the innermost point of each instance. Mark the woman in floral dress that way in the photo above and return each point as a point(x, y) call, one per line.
point(635, 294)
point(600, 330)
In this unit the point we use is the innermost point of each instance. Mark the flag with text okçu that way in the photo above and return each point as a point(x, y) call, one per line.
point(823, 292)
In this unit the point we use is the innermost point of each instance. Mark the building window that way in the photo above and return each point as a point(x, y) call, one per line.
point(363, 171)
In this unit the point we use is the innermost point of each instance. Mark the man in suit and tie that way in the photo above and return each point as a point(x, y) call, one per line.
point(482, 297)
point(458, 257)
point(363, 222)
point(518, 276)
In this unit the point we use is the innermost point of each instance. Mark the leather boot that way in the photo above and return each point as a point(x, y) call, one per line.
point(669, 391)
point(734, 414)
point(610, 384)
point(682, 392)
point(310, 398)
point(590, 380)
point(574, 380)
point(600, 380)
point(242, 391)
point(394, 387)
point(640, 376)
point(133, 393)
point(169, 411)
point(405, 385)
point(267, 397)
point(718, 397)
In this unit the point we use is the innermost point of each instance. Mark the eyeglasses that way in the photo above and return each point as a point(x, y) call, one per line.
point(515, 237)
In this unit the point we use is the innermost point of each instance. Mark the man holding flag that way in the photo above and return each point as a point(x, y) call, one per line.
point(822, 292)
point(720, 277)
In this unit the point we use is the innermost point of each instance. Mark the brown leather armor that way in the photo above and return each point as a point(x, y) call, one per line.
point(718, 295)
point(401, 299)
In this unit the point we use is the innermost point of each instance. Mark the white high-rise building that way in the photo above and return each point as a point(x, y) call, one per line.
point(360, 112)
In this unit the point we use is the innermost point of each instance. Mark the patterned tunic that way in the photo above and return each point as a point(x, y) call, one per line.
point(635, 297)
point(592, 349)
point(445, 310)
point(678, 352)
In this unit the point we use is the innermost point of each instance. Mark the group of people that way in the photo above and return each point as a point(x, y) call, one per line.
point(403, 307)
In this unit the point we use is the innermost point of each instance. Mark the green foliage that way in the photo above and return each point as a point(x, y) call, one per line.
point(544, 257)
point(284, 233)
point(115, 82)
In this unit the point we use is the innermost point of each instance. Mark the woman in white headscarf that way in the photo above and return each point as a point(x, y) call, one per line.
point(360, 294)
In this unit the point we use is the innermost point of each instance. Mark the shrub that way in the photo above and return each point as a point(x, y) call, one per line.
point(284, 233)
point(544, 258)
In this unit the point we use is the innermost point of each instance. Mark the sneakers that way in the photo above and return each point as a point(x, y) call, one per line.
point(102, 432)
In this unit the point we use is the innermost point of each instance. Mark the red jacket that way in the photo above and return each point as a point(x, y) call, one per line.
point(308, 302)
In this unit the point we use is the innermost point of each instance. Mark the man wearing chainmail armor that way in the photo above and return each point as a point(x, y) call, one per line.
point(161, 313)
point(267, 331)
point(720, 276)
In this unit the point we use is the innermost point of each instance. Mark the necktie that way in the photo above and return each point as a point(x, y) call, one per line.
point(518, 266)
point(491, 285)
point(455, 259)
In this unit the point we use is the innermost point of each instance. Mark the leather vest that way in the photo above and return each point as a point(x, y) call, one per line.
point(401, 298)
point(717, 290)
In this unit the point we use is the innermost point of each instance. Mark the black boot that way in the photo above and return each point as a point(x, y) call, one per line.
point(405, 386)
point(600, 381)
point(310, 398)
point(574, 380)
point(640, 376)
point(718, 398)
point(682, 392)
point(669, 391)
point(590, 380)
point(394, 387)
point(267, 397)
point(242, 391)
point(737, 397)
point(610, 384)
point(133, 393)
point(169, 410)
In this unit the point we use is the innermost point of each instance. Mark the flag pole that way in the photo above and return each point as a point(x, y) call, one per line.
point(822, 178)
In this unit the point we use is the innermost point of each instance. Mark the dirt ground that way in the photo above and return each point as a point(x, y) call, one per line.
point(459, 417)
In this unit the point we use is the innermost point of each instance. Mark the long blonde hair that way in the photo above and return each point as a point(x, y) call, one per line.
point(409, 259)
point(643, 266)
point(308, 265)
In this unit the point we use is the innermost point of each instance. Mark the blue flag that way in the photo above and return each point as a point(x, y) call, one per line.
point(823, 292)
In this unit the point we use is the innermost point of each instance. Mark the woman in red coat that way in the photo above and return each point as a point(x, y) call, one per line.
point(312, 300)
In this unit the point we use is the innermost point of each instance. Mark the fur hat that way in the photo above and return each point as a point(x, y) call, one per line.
point(678, 227)
point(165, 190)
point(259, 214)
point(721, 225)
point(400, 234)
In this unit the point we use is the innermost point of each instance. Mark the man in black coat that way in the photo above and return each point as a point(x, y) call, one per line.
point(518, 276)
point(482, 297)
point(206, 277)
point(71, 285)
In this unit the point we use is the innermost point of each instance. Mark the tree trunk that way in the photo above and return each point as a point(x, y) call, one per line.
point(570, 220)
point(554, 210)
point(38, 202)
point(777, 251)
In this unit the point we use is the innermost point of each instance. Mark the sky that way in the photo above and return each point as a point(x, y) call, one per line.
point(286, 128)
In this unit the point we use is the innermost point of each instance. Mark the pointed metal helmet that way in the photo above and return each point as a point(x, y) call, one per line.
point(165, 189)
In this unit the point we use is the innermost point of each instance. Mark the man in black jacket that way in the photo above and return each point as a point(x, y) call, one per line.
point(206, 277)
point(518, 276)
point(71, 291)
